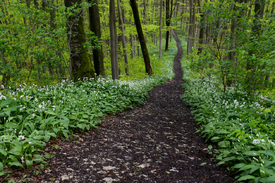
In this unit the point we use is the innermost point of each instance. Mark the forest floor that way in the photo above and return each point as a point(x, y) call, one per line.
point(152, 143)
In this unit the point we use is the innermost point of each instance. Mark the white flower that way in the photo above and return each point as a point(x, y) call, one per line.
point(21, 137)
point(30, 143)
point(22, 108)
point(258, 141)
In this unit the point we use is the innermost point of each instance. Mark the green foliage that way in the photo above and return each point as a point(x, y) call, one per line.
point(241, 52)
point(38, 103)
point(31, 116)
point(242, 128)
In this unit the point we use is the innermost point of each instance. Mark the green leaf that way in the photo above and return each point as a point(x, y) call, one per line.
point(56, 130)
point(38, 137)
point(220, 163)
point(270, 153)
point(215, 139)
point(238, 166)
point(246, 177)
point(254, 169)
point(15, 163)
point(48, 155)
point(268, 163)
point(37, 158)
point(29, 163)
point(223, 143)
point(85, 116)
point(65, 134)
point(47, 138)
point(246, 167)
point(221, 132)
point(17, 150)
point(202, 164)
point(80, 126)
point(6, 102)
point(1, 167)
point(252, 153)
point(65, 123)
point(271, 179)
point(263, 172)
point(49, 111)
point(2, 151)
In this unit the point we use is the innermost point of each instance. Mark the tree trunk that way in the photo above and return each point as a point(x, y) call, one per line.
point(80, 59)
point(141, 38)
point(123, 39)
point(114, 43)
point(160, 33)
point(167, 23)
point(190, 29)
point(201, 33)
point(94, 21)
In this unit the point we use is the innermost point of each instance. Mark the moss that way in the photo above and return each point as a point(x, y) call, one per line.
point(81, 59)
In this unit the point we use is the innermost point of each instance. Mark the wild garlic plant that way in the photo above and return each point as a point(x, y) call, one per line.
point(243, 129)
point(31, 115)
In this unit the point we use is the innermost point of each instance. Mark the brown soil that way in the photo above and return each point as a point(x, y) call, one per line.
point(153, 143)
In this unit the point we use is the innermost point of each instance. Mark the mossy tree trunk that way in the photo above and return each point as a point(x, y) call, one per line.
point(80, 60)
point(144, 49)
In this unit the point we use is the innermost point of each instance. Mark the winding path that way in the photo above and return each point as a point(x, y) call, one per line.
point(152, 143)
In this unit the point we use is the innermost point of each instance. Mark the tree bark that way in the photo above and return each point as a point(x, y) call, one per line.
point(145, 53)
point(94, 21)
point(80, 59)
point(201, 33)
point(123, 39)
point(114, 41)
point(167, 23)
point(160, 33)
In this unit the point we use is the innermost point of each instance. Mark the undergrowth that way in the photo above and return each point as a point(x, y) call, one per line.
point(244, 129)
point(31, 115)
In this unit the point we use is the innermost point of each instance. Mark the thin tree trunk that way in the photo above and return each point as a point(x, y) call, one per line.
point(201, 33)
point(94, 21)
point(167, 23)
point(190, 29)
point(160, 33)
point(145, 53)
point(114, 41)
point(123, 39)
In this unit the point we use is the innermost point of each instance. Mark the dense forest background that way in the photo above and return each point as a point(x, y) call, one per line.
point(233, 40)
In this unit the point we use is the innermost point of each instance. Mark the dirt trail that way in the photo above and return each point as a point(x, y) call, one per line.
point(152, 143)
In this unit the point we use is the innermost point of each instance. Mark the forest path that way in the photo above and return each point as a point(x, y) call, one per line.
point(152, 143)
